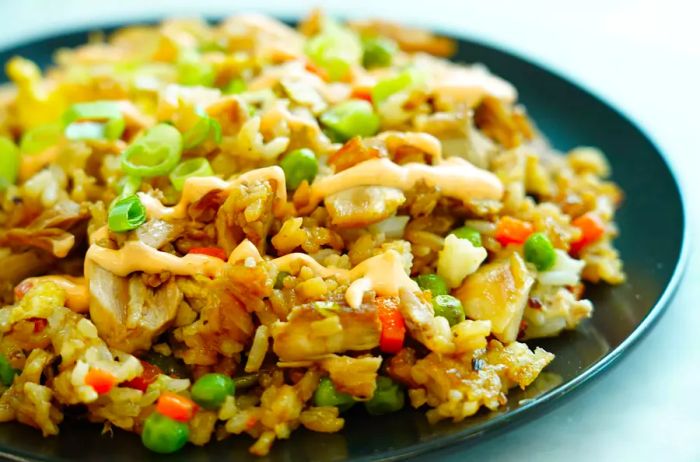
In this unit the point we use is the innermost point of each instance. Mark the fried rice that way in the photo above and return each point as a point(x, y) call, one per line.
point(365, 223)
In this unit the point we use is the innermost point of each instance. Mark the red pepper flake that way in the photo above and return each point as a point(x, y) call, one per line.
point(577, 290)
point(522, 329)
point(148, 376)
point(251, 422)
point(39, 324)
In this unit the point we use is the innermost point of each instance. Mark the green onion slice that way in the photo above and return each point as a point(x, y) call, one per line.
point(192, 70)
point(126, 214)
point(204, 128)
point(190, 168)
point(9, 162)
point(39, 138)
point(155, 153)
point(96, 120)
point(128, 186)
point(351, 118)
point(336, 49)
point(378, 51)
point(407, 79)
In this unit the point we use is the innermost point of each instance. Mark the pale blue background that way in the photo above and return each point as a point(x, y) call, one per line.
point(644, 57)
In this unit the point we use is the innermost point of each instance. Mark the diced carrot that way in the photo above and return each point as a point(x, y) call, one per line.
point(364, 93)
point(592, 228)
point(217, 252)
point(510, 230)
point(148, 376)
point(393, 326)
point(100, 380)
point(175, 406)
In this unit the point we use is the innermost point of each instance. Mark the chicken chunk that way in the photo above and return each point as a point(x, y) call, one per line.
point(410, 39)
point(313, 331)
point(356, 376)
point(363, 205)
point(432, 331)
point(498, 292)
point(128, 315)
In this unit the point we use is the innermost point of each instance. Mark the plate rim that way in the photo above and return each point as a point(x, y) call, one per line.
point(536, 407)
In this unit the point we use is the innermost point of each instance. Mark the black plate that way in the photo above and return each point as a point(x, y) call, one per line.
point(569, 116)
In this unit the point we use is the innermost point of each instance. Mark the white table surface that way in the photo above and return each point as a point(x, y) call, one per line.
point(641, 55)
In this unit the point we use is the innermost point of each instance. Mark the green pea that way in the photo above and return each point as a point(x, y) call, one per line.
point(210, 390)
point(378, 52)
point(434, 283)
point(470, 234)
point(449, 308)
point(388, 397)
point(351, 118)
point(164, 435)
point(327, 395)
point(539, 251)
point(279, 281)
point(7, 372)
point(299, 165)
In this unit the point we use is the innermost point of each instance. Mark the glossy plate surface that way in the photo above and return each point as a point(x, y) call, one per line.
point(569, 116)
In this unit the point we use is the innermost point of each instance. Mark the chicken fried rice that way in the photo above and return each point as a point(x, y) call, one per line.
point(211, 230)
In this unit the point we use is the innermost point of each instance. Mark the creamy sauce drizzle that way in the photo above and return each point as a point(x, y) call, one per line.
point(197, 187)
point(421, 141)
point(383, 273)
point(454, 176)
point(137, 256)
point(77, 296)
point(471, 85)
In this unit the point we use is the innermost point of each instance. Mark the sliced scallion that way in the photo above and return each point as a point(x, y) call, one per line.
point(205, 128)
point(9, 162)
point(96, 120)
point(196, 167)
point(126, 214)
point(155, 153)
point(39, 138)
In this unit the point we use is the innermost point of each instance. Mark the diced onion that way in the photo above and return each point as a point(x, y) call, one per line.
point(392, 227)
point(565, 272)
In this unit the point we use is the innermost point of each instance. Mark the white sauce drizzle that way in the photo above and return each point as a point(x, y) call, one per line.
point(382, 273)
point(454, 176)
point(197, 187)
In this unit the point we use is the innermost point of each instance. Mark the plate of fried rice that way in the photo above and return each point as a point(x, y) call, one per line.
point(338, 240)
